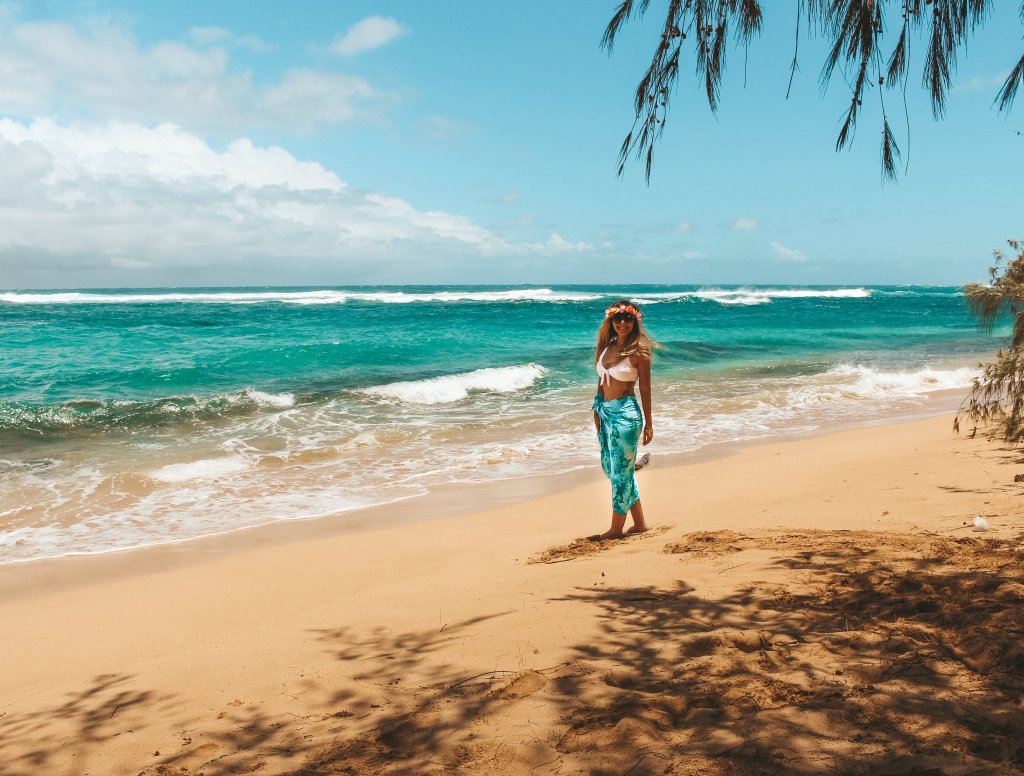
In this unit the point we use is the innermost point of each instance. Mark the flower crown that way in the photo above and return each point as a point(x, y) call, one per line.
point(628, 309)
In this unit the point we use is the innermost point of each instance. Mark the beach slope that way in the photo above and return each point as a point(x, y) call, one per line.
point(819, 605)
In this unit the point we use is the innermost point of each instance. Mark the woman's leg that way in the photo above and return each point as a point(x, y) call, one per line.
point(620, 433)
point(609, 464)
point(637, 513)
point(615, 532)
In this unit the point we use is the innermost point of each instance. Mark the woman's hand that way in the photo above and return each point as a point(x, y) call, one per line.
point(648, 434)
point(597, 421)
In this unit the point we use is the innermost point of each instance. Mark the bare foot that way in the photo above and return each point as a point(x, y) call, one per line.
point(637, 529)
point(606, 535)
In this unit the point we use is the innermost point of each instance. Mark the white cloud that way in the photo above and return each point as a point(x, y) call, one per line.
point(790, 254)
point(128, 199)
point(981, 83)
point(558, 244)
point(505, 198)
point(207, 36)
point(694, 254)
point(667, 228)
point(522, 222)
point(100, 71)
point(442, 128)
point(744, 224)
point(210, 36)
point(370, 33)
point(337, 96)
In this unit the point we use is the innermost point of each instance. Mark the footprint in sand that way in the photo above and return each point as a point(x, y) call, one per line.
point(581, 548)
point(522, 685)
point(701, 544)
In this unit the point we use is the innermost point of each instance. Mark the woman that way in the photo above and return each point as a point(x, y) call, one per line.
point(623, 359)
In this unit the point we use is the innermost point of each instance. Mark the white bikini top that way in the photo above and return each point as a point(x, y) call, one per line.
point(623, 371)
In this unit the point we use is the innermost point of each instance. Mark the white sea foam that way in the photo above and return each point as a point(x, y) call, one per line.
point(919, 292)
point(259, 467)
point(856, 382)
point(753, 296)
point(242, 398)
point(202, 469)
point(323, 297)
point(738, 297)
point(362, 439)
point(872, 383)
point(517, 295)
point(451, 388)
point(226, 297)
point(270, 399)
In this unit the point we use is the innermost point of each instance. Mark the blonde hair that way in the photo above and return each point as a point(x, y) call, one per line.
point(638, 343)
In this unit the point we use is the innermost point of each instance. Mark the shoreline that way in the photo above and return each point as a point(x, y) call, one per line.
point(441, 644)
point(447, 500)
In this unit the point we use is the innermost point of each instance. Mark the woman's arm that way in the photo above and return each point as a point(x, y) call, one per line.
point(600, 392)
point(644, 368)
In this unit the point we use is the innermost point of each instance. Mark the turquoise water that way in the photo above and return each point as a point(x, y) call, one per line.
point(138, 417)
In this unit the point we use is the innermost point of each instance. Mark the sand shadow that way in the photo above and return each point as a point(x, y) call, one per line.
point(875, 654)
point(886, 654)
point(911, 665)
point(73, 733)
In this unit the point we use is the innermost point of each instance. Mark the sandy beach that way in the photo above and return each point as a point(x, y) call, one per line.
point(319, 325)
point(814, 606)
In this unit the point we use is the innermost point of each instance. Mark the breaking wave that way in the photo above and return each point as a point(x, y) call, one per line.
point(452, 388)
point(753, 296)
point(316, 297)
point(101, 416)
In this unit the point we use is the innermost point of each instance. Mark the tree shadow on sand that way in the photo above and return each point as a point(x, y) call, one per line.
point(874, 654)
point(379, 720)
point(896, 662)
point(898, 666)
point(72, 735)
point(431, 727)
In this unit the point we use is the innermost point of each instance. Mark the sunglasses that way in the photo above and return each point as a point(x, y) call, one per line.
point(620, 317)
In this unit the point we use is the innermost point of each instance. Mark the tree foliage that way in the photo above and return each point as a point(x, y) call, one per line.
point(997, 395)
point(860, 33)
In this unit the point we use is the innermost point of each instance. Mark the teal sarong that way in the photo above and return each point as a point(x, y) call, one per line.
point(619, 436)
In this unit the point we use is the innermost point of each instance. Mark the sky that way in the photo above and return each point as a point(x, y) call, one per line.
point(339, 143)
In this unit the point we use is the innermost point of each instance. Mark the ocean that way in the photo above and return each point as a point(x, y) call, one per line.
point(137, 417)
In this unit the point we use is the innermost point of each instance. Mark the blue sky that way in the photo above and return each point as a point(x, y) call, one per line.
point(261, 143)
